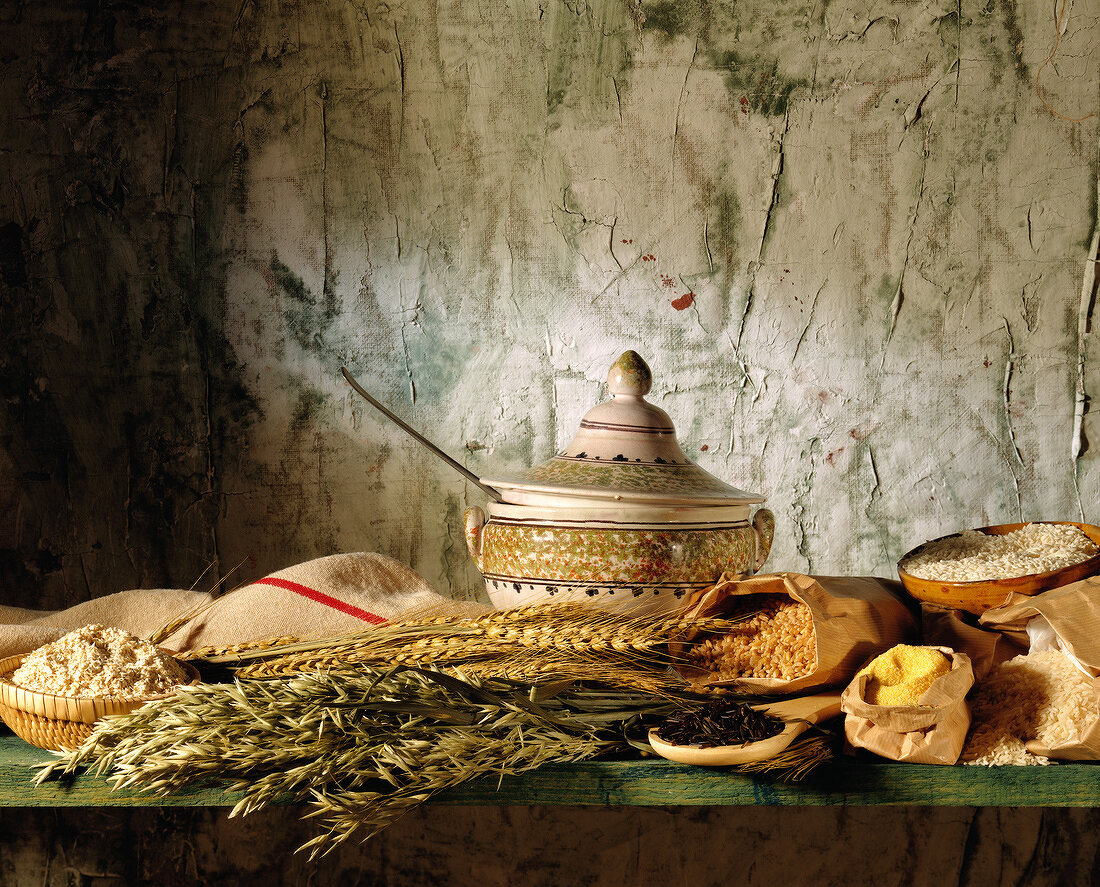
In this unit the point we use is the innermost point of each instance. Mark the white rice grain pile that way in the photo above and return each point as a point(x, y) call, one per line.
point(1039, 696)
point(971, 555)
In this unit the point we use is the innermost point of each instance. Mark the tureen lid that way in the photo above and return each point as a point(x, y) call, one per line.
point(625, 450)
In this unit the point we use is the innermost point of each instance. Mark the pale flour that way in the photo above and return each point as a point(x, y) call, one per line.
point(99, 661)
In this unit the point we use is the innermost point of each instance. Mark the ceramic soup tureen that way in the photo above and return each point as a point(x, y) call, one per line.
point(621, 516)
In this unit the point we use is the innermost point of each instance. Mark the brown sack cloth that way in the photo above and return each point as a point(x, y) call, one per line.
point(1073, 612)
point(332, 595)
point(933, 732)
point(854, 617)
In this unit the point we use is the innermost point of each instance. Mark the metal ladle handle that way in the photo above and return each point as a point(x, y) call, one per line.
point(404, 426)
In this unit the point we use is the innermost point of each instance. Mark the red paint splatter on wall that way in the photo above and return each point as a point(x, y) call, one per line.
point(684, 301)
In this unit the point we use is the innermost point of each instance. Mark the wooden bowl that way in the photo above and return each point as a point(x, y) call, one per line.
point(55, 722)
point(977, 597)
point(799, 714)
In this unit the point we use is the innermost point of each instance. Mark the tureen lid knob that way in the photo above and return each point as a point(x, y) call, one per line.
point(624, 453)
point(629, 375)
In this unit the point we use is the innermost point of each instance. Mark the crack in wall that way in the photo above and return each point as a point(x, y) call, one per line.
point(676, 114)
point(403, 95)
point(809, 320)
point(327, 271)
point(998, 446)
point(958, 62)
point(1078, 442)
point(804, 487)
point(876, 490)
point(405, 322)
point(777, 171)
point(1006, 399)
point(899, 295)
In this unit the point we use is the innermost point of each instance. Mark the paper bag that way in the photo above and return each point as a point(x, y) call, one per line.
point(1073, 613)
point(955, 629)
point(854, 619)
point(933, 732)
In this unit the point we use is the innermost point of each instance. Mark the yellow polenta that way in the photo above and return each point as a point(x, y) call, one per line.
point(902, 674)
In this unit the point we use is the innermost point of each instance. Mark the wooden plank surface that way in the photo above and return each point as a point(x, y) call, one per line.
point(18, 763)
point(845, 783)
point(648, 783)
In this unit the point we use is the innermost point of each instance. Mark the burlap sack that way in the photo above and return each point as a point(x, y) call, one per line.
point(1073, 612)
point(854, 617)
point(329, 596)
point(933, 732)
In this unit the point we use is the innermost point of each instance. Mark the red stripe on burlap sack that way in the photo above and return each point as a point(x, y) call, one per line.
point(321, 598)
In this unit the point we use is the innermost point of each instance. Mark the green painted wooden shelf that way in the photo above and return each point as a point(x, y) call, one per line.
point(647, 783)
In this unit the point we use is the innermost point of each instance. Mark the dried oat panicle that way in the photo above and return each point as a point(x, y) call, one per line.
point(554, 641)
point(360, 748)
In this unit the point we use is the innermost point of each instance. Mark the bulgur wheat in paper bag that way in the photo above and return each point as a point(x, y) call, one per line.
point(853, 618)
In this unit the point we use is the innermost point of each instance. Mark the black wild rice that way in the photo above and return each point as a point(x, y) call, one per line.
point(719, 723)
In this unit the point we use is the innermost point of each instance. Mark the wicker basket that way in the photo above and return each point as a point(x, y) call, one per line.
point(56, 722)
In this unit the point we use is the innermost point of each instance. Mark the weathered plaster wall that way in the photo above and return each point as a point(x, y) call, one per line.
point(853, 239)
point(849, 236)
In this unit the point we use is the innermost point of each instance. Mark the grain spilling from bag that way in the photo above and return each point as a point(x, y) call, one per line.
point(777, 642)
point(973, 556)
point(99, 661)
point(902, 674)
point(1039, 696)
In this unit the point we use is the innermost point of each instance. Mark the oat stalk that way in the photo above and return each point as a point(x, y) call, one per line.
point(359, 748)
point(797, 760)
point(170, 627)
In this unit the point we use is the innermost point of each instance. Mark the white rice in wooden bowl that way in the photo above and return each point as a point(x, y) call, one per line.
point(1040, 696)
point(972, 556)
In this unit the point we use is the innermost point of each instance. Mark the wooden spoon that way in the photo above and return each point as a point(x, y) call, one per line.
point(799, 714)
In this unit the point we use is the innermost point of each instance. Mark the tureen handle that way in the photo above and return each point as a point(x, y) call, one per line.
point(474, 519)
point(764, 524)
